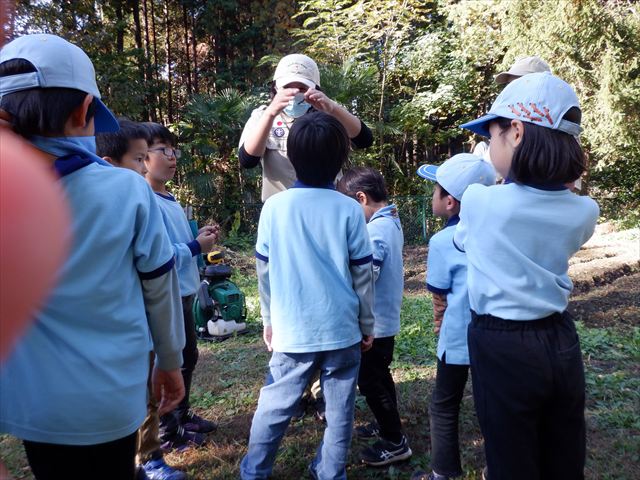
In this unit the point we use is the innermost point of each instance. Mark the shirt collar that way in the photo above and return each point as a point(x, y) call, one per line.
point(299, 184)
point(452, 221)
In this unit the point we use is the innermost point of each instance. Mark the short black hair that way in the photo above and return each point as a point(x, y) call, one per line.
point(116, 144)
point(39, 111)
point(160, 133)
point(444, 193)
point(546, 156)
point(317, 146)
point(366, 180)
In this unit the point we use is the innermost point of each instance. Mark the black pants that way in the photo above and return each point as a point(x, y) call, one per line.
point(376, 384)
point(529, 390)
point(444, 412)
point(108, 461)
point(170, 422)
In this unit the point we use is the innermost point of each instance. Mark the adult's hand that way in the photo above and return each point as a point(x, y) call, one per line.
point(168, 388)
point(320, 101)
point(281, 100)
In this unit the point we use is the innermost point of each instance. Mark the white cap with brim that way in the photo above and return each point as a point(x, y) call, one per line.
point(460, 171)
point(521, 67)
point(297, 68)
point(538, 98)
point(58, 64)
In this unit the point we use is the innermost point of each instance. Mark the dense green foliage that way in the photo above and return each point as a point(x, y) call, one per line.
point(412, 69)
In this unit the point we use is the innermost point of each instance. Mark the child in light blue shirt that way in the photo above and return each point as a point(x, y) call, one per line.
point(316, 295)
point(74, 389)
point(374, 380)
point(182, 427)
point(447, 282)
point(526, 363)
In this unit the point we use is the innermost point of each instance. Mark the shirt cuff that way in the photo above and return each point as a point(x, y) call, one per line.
point(195, 248)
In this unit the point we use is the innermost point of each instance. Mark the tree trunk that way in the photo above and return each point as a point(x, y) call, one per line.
point(137, 35)
point(185, 24)
point(120, 25)
point(150, 83)
point(156, 71)
point(167, 46)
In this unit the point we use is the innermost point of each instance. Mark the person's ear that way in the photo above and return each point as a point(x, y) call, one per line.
point(451, 203)
point(516, 133)
point(78, 117)
point(362, 198)
point(111, 161)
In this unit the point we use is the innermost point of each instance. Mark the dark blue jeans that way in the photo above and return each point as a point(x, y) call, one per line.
point(529, 392)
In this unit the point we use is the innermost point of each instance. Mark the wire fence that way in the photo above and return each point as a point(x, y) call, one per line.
point(418, 222)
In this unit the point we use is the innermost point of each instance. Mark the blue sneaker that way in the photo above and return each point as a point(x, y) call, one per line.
point(158, 470)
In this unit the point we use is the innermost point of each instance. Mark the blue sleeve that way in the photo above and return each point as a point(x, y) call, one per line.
point(358, 239)
point(185, 252)
point(153, 255)
point(439, 277)
point(378, 244)
point(469, 201)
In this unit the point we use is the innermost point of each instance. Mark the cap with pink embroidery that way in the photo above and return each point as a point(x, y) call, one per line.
point(538, 98)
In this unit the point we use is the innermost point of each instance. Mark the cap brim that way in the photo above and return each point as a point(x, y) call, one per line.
point(104, 120)
point(282, 81)
point(480, 125)
point(427, 172)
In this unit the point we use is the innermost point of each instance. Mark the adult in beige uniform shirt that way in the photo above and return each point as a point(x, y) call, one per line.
point(295, 91)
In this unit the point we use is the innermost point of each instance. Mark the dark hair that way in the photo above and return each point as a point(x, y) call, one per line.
point(546, 156)
point(363, 179)
point(317, 146)
point(444, 193)
point(160, 133)
point(39, 111)
point(116, 144)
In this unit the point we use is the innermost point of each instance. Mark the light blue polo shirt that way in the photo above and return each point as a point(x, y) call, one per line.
point(518, 240)
point(79, 374)
point(310, 237)
point(185, 247)
point(387, 240)
point(447, 275)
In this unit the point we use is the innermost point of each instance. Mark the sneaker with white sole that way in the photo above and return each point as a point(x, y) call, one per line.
point(159, 470)
point(195, 423)
point(384, 452)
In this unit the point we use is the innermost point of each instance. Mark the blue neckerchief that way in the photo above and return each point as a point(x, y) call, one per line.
point(65, 146)
point(299, 184)
point(452, 221)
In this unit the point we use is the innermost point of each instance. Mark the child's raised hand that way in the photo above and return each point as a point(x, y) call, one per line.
point(206, 240)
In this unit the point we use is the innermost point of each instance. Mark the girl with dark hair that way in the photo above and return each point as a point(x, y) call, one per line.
point(526, 364)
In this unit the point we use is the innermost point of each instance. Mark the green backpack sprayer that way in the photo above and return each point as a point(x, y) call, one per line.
point(219, 309)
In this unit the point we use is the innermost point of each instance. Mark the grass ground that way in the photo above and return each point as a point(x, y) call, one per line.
point(229, 376)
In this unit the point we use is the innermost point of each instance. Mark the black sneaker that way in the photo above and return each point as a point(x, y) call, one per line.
point(367, 431)
point(182, 440)
point(384, 452)
point(194, 423)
